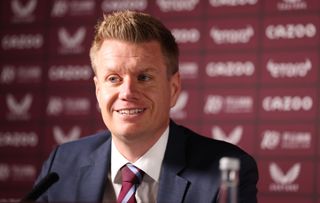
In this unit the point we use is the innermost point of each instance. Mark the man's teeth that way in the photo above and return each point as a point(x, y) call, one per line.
point(130, 111)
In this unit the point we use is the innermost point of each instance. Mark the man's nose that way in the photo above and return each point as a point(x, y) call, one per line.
point(128, 89)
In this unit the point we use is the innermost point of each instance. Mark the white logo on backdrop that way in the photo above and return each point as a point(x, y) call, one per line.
point(55, 106)
point(23, 172)
point(19, 110)
point(113, 5)
point(296, 140)
point(230, 69)
point(232, 36)
point(233, 137)
point(70, 72)
point(218, 3)
point(177, 5)
point(61, 137)
point(68, 106)
point(284, 181)
point(290, 69)
point(4, 172)
point(178, 111)
point(291, 31)
point(229, 104)
point(72, 43)
point(18, 139)
point(8, 74)
point(25, 73)
point(22, 41)
point(184, 35)
point(21, 11)
point(270, 140)
point(188, 70)
point(286, 140)
point(61, 8)
point(287, 103)
point(292, 5)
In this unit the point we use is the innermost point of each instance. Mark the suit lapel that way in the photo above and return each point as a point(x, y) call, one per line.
point(173, 187)
point(93, 173)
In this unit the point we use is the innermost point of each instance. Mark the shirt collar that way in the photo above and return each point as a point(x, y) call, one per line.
point(150, 162)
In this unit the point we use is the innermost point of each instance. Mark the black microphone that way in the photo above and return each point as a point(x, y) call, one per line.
point(41, 187)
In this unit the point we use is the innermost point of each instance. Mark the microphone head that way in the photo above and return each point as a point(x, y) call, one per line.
point(43, 185)
point(54, 177)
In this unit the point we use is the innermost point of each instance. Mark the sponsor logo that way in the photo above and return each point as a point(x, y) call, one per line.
point(18, 139)
point(113, 5)
point(233, 137)
point(19, 110)
point(71, 43)
point(284, 182)
point(17, 172)
point(22, 41)
point(232, 36)
point(4, 172)
point(229, 104)
point(289, 70)
point(70, 106)
point(286, 5)
point(62, 8)
point(291, 31)
point(186, 35)
point(23, 13)
point(23, 172)
point(69, 72)
point(178, 112)
point(11, 73)
point(272, 139)
point(188, 70)
point(287, 103)
point(219, 3)
point(61, 137)
point(230, 69)
point(8, 75)
point(177, 5)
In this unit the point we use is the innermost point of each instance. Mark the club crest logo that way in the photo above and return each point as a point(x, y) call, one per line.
point(233, 137)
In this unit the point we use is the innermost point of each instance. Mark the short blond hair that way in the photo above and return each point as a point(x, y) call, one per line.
point(136, 27)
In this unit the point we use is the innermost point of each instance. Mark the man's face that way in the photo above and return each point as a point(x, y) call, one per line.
point(134, 92)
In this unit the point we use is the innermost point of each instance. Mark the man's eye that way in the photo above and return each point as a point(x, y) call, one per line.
point(114, 79)
point(144, 77)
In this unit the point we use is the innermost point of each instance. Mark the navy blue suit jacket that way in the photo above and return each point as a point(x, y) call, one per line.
point(190, 169)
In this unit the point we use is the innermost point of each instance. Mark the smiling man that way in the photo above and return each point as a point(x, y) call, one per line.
point(145, 156)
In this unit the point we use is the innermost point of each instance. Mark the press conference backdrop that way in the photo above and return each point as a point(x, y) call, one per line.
point(250, 73)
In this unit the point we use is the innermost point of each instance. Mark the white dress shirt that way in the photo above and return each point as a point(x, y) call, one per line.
point(150, 163)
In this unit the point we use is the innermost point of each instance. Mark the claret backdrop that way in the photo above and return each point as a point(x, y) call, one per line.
point(250, 70)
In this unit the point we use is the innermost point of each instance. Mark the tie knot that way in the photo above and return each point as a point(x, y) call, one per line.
point(131, 174)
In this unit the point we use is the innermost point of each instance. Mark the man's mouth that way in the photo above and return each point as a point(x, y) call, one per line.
point(130, 111)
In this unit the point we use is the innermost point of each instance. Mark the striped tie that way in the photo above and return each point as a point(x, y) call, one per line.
point(131, 178)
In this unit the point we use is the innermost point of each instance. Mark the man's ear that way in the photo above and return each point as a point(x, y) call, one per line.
point(175, 83)
point(97, 86)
